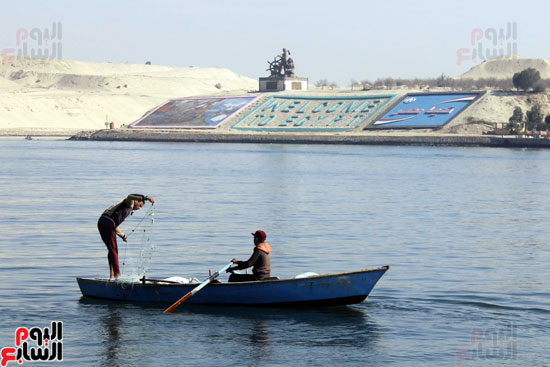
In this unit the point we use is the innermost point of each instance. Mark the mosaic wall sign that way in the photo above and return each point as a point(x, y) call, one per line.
point(294, 113)
point(424, 110)
point(207, 112)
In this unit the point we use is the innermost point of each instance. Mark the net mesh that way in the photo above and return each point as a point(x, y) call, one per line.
point(139, 249)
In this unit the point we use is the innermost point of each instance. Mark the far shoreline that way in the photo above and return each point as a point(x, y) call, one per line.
point(405, 138)
point(23, 132)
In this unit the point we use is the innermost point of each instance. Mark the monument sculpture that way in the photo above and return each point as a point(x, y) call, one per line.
point(282, 65)
point(282, 76)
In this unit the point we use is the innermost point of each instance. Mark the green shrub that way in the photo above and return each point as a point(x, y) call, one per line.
point(517, 116)
point(526, 79)
point(539, 87)
point(534, 117)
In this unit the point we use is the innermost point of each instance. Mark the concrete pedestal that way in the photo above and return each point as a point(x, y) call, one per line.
point(276, 84)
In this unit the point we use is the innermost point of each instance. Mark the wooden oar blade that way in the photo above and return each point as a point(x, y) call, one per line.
point(179, 302)
point(196, 289)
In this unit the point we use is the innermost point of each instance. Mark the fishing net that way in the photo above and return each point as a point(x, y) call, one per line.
point(139, 249)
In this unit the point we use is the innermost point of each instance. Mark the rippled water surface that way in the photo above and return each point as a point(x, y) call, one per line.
point(465, 231)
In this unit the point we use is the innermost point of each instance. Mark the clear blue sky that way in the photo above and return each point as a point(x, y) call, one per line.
point(335, 40)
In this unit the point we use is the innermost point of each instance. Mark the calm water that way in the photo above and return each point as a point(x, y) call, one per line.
point(466, 232)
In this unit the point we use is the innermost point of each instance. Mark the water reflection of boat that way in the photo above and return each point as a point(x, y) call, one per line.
point(259, 331)
point(319, 290)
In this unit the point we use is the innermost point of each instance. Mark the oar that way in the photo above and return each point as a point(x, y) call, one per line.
point(197, 288)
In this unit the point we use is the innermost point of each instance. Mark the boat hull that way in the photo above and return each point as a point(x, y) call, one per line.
point(320, 290)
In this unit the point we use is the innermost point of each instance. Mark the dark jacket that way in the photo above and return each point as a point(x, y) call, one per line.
point(118, 212)
point(260, 262)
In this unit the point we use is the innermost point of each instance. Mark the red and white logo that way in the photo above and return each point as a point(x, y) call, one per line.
point(35, 345)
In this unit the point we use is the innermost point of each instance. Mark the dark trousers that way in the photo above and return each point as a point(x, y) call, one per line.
point(242, 278)
point(107, 231)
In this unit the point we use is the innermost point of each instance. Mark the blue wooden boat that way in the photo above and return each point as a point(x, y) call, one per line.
point(319, 290)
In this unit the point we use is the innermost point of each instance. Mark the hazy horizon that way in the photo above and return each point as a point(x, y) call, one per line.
point(334, 41)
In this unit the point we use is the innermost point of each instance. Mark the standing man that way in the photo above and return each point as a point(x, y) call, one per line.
point(259, 260)
point(108, 225)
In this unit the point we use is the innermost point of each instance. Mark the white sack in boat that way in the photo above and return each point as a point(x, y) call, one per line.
point(182, 280)
point(305, 275)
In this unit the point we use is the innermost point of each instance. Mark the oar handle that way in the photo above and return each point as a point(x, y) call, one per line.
point(198, 288)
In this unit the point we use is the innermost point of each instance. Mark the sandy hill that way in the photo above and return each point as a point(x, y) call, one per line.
point(506, 67)
point(45, 95)
point(64, 94)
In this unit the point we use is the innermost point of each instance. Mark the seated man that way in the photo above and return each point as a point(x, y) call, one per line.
point(259, 260)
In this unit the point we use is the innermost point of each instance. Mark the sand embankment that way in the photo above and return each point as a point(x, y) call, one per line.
point(506, 67)
point(63, 97)
point(49, 95)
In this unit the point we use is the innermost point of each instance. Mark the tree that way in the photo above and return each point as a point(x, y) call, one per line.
point(366, 84)
point(516, 119)
point(539, 87)
point(526, 79)
point(378, 83)
point(322, 83)
point(517, 116)
point(389, 82)
point(442, 80)
point(534, 117)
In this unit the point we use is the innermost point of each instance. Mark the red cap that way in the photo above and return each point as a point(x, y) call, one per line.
point(260, 234)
